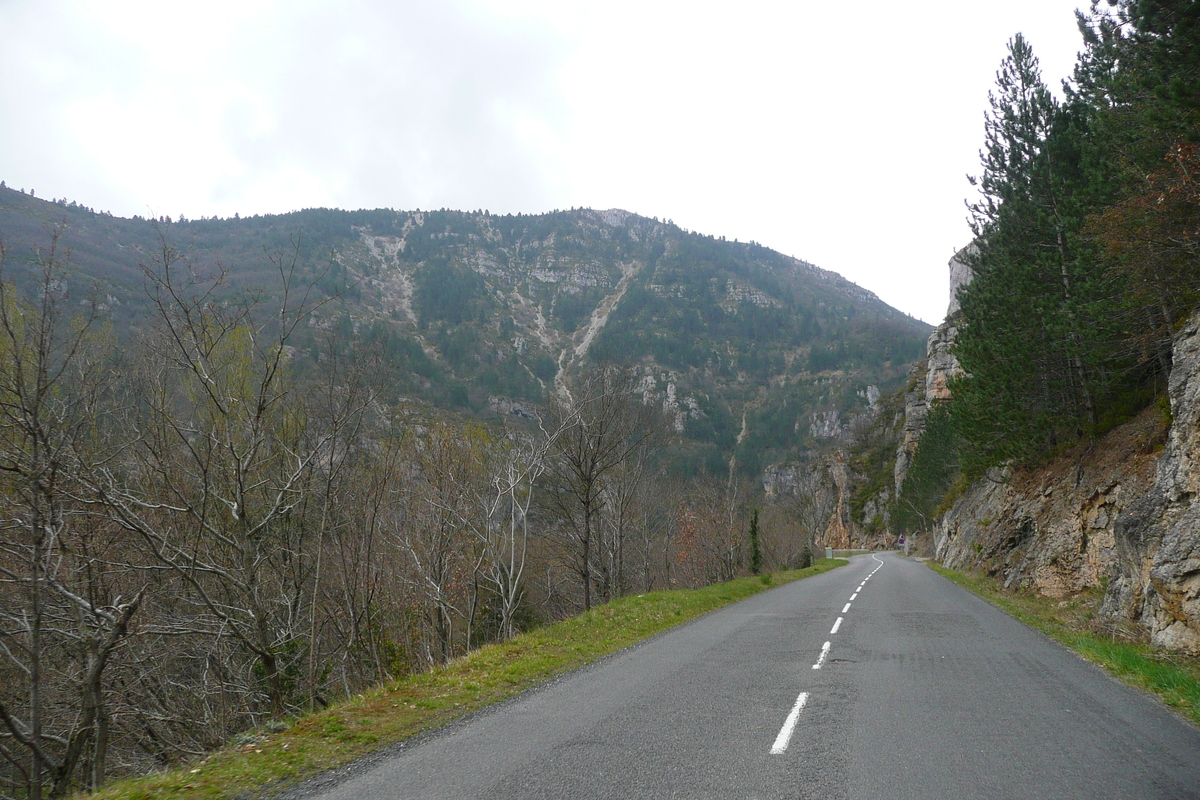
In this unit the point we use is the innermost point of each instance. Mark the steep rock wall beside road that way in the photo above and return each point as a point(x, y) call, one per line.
point(1157, 580)
point(1053, 529)
point(1122, 512)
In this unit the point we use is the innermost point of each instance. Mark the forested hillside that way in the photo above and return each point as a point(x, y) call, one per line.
point(484, 313)
point(1050, 437)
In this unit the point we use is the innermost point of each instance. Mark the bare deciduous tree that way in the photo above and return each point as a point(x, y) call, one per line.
point(515, 464)
point(436, 536)
point(220, 460)
point(792, 524)
point(604, 423)
point(61, 612)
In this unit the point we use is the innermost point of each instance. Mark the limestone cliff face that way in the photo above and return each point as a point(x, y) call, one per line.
point(838, 531)
point(1053, 529)
point(942, 366)
point(915, 411)
point(930, 380)
point(960, 275)
point(1157, 576)
point(1123, 511)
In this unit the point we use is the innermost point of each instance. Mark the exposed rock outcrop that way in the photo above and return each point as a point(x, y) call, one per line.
point(827, 425)
point(1053, 529)
point(508, 407)
point(915, 410)
point(1157, 581)
point(1124, 511)
point(941, 364)
point(960, 275)
point(930, 380)
point(837, 532)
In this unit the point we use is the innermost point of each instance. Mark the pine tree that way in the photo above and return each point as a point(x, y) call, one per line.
point(935, 467)
point(1140, 76)
point(1028, 336)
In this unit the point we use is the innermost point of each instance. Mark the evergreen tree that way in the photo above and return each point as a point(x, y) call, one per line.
point(1140, 75)
point(934, 470)
point(1029, 337)
point(1087, 237)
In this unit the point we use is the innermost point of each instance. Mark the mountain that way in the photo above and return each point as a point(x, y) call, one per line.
point(758, 354)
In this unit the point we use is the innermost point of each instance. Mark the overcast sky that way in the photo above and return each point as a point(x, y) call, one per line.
point(840, 133)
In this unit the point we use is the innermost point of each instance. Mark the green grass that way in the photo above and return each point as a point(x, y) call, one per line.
point(1173, 677)
point(263, 762)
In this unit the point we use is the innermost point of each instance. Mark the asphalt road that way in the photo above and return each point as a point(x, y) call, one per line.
point(924, 691)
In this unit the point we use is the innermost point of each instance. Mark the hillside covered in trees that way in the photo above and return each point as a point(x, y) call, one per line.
point(482, 314)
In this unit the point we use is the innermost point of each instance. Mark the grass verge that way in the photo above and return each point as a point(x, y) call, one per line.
point(264, 762)
point(1173, 677)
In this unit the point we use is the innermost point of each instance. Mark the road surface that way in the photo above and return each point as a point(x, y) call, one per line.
point(880, 679)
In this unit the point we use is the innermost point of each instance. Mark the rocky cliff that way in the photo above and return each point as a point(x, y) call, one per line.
point(1122, 513)
point(867, 472)
point(1156, 576)
point(1053, 529)
point(929, 380)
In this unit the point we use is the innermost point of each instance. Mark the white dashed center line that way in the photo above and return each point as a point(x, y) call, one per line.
point(821, 658)
point(789, 725)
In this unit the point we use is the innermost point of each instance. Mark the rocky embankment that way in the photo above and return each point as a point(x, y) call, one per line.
point(1053, 529)
point(1156, 580)
point(1123, 513)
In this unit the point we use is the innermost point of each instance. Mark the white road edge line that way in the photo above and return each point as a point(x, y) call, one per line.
point(836, 625)
point(824, 654)
point(847, 608)
point(785, 733)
